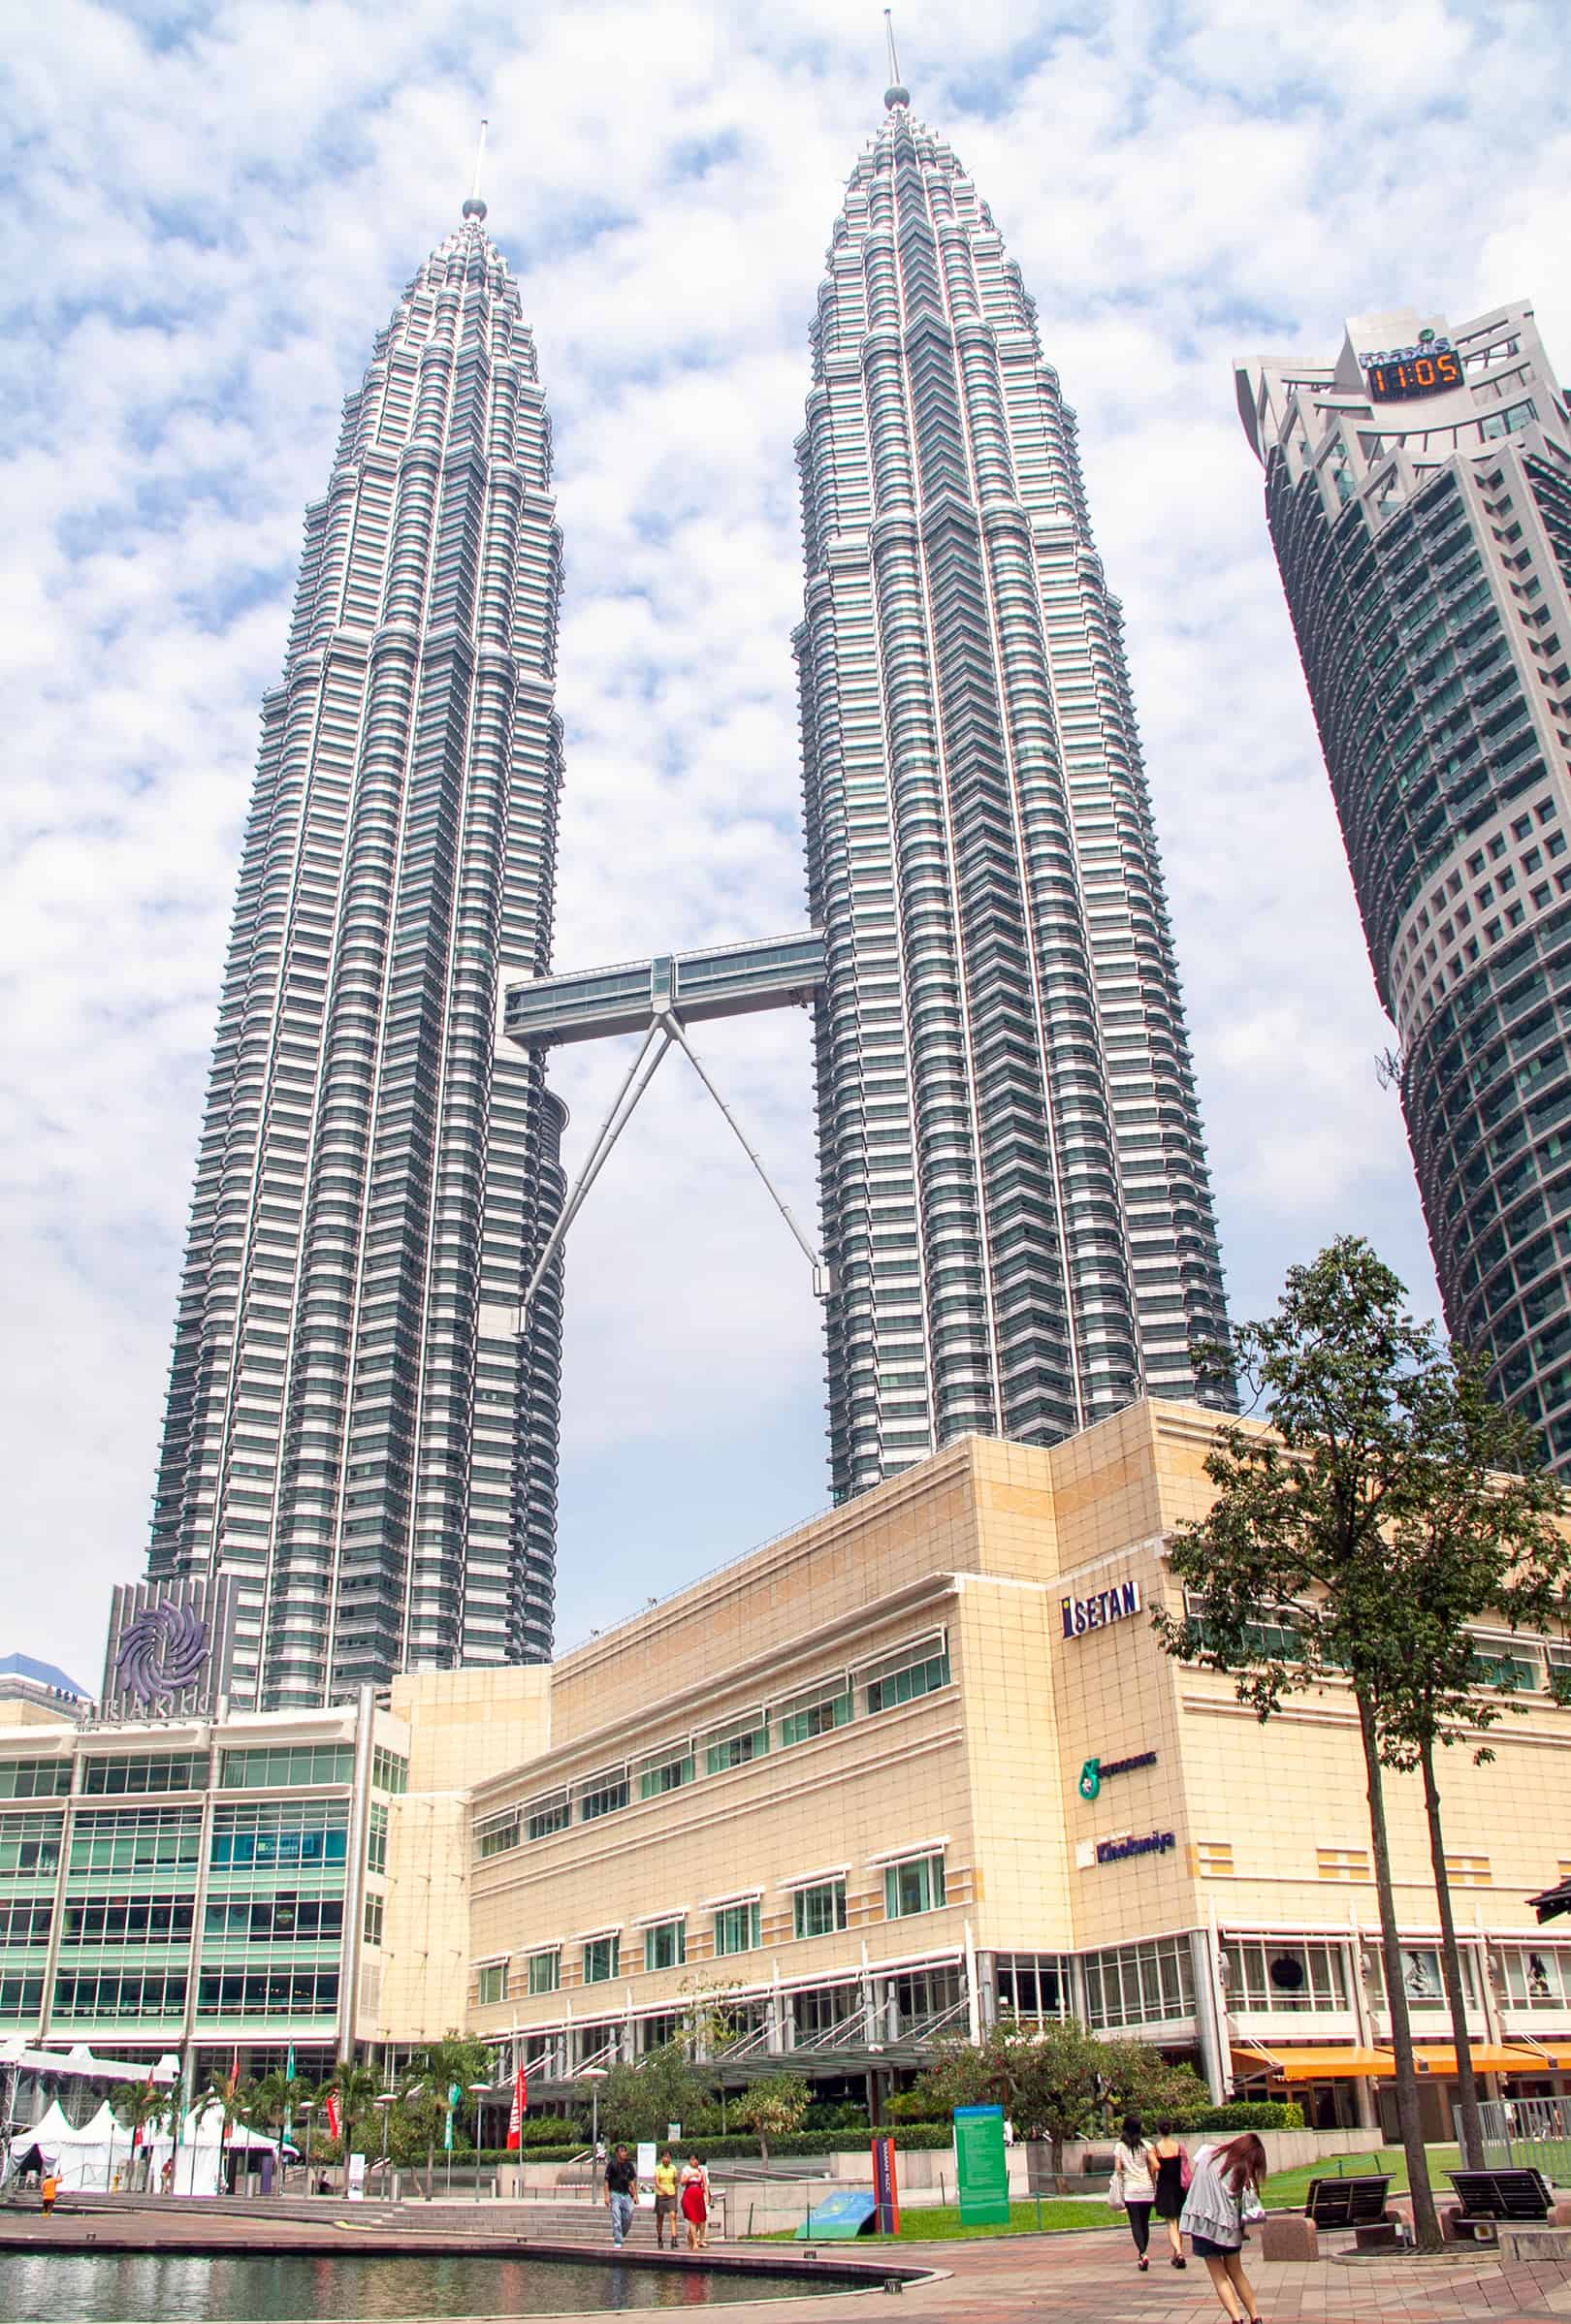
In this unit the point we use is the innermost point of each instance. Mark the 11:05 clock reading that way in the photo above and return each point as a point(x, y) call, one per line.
point(1425, 372)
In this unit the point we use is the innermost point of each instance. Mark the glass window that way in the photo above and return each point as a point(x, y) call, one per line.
point(603, 1795)
point(548, 1816)
point(287, 1764)
point(377, 1838)
point(602, 1960)
point(25, 1921)
point(495, 1838)
point(1139, 1985)
point(148, 1772)
point(30, 1844)
point(280, 1832)
point(34, 1778)
point(120, 1993)
point(913, 1886)
point(736, 1745)
point(136, 1841)
point(1285, 1977)
point(545, 1971)
point(21, 1997)
point(128, 1921)
point(375, 1910)
point(816, 1714)
point(1032, 1986)
point(666, 1775)
point(1535, 1976)
point(493, 1983)
point(905, 1680)
point(273, 1992)
point(821, 1910)
point(665, 1945)
point(390, 1772)
point(738, 1927)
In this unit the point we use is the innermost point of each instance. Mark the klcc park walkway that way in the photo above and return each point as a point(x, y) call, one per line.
point(1079, 2279)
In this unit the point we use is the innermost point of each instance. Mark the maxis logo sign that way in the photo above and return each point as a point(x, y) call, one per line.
point(1080, 1614)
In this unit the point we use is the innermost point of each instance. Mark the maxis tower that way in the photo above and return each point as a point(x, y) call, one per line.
point(356, 1432)
point(1018, 1229)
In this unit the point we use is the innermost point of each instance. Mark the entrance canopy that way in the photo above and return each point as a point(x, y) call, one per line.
point(1335, 2061)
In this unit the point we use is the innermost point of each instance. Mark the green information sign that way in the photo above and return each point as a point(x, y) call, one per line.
point(982, 2166)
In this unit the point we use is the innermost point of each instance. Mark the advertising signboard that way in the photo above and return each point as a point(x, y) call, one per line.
point(981, 2166)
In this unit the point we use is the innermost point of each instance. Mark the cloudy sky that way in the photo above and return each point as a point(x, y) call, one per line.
point(210, 209)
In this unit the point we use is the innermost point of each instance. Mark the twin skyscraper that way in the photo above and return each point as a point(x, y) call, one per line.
point(1016, 1226)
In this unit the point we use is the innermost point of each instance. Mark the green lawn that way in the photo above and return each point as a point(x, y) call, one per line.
point(1284, 2190)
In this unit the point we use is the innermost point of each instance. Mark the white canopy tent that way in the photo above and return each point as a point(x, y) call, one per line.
point(90, 2157)
point(199, 2154)
point(44, 2135)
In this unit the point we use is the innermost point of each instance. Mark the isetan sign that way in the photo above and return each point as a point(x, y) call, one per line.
point(1116, 1604)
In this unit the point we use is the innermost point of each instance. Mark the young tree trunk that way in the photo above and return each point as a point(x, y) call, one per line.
point(1425, 2223)
point(1471, 2122)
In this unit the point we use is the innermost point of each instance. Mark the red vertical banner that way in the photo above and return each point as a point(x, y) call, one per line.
point(885, 2189)
point(521, 2100)
point(335, 2117)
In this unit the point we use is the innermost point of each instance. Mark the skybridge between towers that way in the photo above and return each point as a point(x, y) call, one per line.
point(660, 997)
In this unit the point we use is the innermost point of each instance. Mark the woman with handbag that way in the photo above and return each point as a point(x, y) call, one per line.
point(1172, 2185)
point(1223, 2193)
point(1134, 2186)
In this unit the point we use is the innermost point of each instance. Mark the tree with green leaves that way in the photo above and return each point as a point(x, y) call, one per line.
point(1326, 1529)
point(142, 2109)
point(1050, 2084)
point(773, 2108)
point(640, 2101)
point(1138, 2080)
point(1479, 1544)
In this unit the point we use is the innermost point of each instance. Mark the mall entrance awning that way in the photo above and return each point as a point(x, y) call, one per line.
point(1313, 2062)
point(1334, 2061)
point(1551, 1902)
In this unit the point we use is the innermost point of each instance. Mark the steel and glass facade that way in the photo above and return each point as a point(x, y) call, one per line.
point(198, 1889)
point(1016, 1211)
point(1421, 522)
point(355, 1429)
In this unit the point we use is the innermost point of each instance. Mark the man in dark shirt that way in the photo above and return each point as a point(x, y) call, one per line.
point(621, 2193)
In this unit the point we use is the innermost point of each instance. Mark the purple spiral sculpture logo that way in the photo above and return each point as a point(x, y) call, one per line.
point(162, 1651)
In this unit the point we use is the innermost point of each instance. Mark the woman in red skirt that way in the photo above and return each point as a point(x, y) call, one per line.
point(695, 2201)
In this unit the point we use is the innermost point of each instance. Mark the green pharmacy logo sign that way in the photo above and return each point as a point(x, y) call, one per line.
point(1096, 1771)
point(1091, 1779)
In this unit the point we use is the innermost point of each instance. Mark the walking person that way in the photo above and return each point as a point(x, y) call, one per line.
point(621, 2194)
point(1225, 2191)
point(1172, 2168)
point(696, 2201)
point(1134, 2185)
point(48, 2192)
point(666, 2199)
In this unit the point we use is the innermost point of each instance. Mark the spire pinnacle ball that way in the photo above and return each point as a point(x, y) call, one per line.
point(896, 94)
point(474, 208)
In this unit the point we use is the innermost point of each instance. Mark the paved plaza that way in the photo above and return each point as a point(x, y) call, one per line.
point(1079, 2279)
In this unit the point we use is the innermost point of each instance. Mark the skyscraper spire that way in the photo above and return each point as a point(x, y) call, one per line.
point(474, 208)
point(1016, 1217)
point(897, 92)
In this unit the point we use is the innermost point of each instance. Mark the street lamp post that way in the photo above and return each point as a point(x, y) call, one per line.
point(593, 2076)
point(308, 2107)
point(387, 2100)
point(479, 2092)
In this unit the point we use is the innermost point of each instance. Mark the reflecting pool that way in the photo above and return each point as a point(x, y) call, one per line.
point(144, 2287)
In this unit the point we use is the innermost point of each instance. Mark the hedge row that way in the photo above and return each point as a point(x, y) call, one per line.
point(910, 2138)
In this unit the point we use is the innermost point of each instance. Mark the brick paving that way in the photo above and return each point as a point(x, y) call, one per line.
point(1045, 2280)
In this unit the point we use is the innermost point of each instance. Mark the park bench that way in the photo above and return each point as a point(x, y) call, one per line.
point(1358, 2203)
point(1494, 2199)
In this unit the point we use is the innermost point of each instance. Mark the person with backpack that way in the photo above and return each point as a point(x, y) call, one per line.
point(1224, 2192)
point(1134, 2185)
point(1172, 2171)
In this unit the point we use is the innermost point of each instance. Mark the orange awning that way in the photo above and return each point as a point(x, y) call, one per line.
point(1312, 2062)
point(1434, 2058)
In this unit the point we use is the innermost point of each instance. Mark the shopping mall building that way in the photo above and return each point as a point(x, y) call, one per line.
point(915, 1766)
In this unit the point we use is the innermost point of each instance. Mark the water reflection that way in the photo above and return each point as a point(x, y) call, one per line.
point(42, 2287)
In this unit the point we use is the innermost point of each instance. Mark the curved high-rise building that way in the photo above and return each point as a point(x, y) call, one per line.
point(355, 1430)
point(1419, 495)
point(1017, 1215)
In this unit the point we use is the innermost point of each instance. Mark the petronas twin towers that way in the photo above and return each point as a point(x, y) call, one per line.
point(1016, 1222)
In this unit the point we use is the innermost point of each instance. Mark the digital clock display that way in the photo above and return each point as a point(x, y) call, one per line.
point(1417, 372)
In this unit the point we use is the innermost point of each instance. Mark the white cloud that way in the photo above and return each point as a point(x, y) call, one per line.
point(217, 203)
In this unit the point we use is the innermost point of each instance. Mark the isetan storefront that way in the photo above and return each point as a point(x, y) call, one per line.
point(922, 1764)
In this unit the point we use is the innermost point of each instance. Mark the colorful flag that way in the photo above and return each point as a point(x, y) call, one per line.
point(520, 2101)
point(334, 2116)
point(234, 2073)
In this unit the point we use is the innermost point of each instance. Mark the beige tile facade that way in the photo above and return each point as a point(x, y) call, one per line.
point(1158, 1906)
